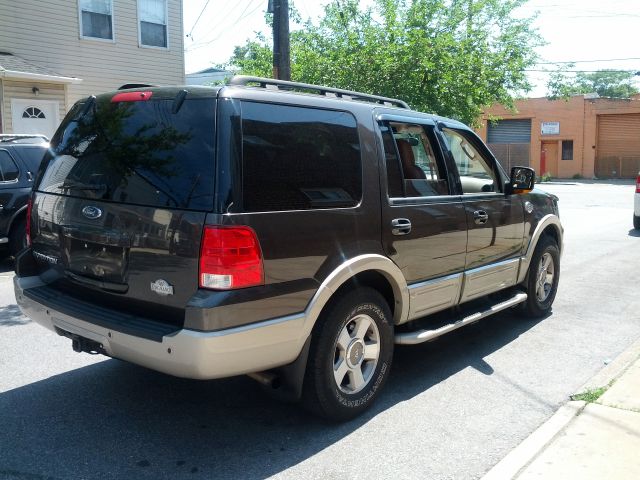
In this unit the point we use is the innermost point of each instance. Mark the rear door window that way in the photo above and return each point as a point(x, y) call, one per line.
point(296, 158)
point(136, 152)
point(8, 169)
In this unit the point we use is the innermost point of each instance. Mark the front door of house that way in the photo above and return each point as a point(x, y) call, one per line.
point(34, 116)
point(549, 159)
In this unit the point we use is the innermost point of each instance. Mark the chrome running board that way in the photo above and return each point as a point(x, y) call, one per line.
point(420, 336)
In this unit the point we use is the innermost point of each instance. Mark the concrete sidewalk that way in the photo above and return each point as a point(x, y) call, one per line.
point(595, 440)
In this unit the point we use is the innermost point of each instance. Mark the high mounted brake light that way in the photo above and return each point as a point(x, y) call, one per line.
point(131, 97)
point(230, 257)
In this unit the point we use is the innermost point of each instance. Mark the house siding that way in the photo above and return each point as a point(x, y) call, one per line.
point(102, 65)
point(22, 90)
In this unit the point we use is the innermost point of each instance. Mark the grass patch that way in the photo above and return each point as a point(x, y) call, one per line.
point(591, 395)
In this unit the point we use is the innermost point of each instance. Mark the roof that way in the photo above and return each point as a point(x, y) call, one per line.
point(15, 67)
point(208, 70)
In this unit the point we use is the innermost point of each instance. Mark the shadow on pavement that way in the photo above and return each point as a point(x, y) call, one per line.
point(116, 420)
point(11, 316)
point(634, 232)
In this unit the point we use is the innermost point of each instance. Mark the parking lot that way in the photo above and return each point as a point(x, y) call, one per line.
point(452, 408)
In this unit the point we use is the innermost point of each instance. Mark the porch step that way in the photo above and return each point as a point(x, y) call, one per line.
point(424, 335)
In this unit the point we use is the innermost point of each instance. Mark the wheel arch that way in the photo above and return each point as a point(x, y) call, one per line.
point(370, 270)
point(548, 226)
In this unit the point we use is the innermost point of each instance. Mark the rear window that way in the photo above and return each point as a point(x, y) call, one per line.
point(135, 152)
point(32, 156)
point(296, 158)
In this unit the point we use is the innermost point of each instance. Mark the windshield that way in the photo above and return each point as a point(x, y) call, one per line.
point(135, 152)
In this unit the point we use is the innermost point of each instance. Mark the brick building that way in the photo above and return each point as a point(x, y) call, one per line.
point(584, 135)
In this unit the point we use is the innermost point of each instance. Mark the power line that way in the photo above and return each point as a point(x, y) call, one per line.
point(242, 16)
point(589, 61)
point(581, 71)
point(198, 19)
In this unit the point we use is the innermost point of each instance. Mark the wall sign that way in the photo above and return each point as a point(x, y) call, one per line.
point(550, 128)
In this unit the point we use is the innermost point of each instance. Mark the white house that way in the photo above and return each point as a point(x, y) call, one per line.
point(54, 52)
point(208, 76)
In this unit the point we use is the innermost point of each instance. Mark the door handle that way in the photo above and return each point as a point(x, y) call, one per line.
point(400, 226)
point(30, 176)
point(480, 217)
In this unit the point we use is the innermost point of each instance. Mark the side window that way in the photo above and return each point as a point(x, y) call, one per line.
point(96, 19)
point(296, 158)
point(476, 172)
point(413, 168)
point(8, 170)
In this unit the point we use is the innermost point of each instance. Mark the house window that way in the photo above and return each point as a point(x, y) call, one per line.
point(33, 112)
point(567, 150)
point(152, 15)
point(96, 19)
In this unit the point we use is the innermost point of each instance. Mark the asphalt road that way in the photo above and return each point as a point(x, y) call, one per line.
point(452, 408)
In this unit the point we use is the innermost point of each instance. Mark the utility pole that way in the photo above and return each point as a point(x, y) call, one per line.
point(281, 59)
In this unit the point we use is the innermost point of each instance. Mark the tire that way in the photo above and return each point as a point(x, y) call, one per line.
point(541, 290)
point(17, 237)
point(636, 222)
point(340, 381)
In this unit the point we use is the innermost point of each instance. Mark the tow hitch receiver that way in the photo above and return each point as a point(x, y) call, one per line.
point(81, 344)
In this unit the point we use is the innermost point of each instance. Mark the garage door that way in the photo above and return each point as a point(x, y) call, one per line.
point(510, 141)
point(618, 147)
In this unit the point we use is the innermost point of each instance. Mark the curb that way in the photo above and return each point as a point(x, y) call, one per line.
point(521, 456)
point(530, 448)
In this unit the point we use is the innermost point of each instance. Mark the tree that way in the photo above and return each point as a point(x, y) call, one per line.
point(606, 83)
point(451, 57)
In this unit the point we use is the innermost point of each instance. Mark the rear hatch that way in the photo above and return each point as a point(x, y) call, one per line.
point(121, 199)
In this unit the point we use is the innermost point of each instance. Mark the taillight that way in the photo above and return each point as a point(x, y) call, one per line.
point(230, 257)
point(131, 97)
point(28, 226)
point(638, 184)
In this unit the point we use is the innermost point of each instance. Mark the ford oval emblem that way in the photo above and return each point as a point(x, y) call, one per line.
point(91, 212)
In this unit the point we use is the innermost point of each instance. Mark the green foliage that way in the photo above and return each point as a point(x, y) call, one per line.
point(590, 395)
point(545, 177)
point(606, 83)
point(451, 57)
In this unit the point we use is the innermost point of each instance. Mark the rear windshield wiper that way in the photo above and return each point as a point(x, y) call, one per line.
point(82, 186)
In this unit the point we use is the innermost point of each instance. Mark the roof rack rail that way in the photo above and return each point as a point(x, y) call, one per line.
point(244, 80)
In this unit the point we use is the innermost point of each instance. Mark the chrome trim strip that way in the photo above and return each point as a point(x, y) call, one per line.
point(489, 278)
point(420, 336)
point(434, 295)
point(549, 220)
point(4, 240)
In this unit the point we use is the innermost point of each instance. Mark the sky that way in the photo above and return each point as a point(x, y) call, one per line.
point(595, 34)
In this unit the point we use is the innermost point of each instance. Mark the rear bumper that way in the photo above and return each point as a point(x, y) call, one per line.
point(182, 353)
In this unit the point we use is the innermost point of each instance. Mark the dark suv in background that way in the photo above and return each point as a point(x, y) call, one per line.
point(20, 157)
point(290, 232)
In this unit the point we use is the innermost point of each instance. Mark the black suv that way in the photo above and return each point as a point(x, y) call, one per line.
point(20, 157)
point(287, 231)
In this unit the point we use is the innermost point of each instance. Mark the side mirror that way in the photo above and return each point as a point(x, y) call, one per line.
point(521, 181)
